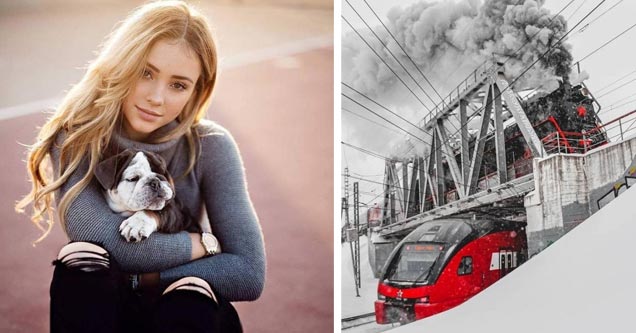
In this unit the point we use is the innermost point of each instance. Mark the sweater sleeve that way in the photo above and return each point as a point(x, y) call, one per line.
point(238, 273)
point(89, 218)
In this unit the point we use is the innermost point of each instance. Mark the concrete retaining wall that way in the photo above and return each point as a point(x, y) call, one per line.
point(567, 188)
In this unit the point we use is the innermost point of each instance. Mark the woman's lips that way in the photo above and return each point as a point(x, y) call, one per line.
point(147, 114)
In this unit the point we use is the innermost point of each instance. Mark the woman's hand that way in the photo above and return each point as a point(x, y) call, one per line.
point(198, 251)
point(148, 281)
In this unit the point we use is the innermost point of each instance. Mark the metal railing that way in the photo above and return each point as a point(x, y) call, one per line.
point(618, 188)
point(579, 143)
point(474, 77)
point(620, 127)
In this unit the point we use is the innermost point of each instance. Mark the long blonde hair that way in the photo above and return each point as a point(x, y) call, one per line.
point(88, 113)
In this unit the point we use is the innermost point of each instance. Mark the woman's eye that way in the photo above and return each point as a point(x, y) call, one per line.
point(132, 179)
point(179, 86)
point(147, 74)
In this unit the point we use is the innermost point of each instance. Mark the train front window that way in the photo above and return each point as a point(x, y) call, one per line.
point(414, 262)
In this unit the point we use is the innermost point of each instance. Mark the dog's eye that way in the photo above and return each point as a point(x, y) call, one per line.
point(133, 179)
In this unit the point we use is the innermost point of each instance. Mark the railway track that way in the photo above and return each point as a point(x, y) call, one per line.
point(358, 320)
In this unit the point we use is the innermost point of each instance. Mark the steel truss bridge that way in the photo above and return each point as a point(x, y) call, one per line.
point(424, 193)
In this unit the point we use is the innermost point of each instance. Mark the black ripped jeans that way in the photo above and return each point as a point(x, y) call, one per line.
point(93, 295)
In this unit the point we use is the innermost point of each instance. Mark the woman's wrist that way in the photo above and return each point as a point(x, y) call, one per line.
point(198, 251)
point(148, 281)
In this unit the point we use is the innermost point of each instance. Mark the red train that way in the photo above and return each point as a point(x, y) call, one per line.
point(444, 262)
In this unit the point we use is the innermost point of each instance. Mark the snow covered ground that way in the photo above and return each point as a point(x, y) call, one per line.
point(351, 304)
point(584, 282)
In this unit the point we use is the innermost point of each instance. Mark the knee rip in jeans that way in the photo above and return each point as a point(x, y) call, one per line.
point(85, 257)
point(194, 284)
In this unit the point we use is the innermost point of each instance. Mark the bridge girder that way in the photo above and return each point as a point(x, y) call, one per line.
point(482, 98)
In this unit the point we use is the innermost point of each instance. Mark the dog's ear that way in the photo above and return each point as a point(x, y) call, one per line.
point(157, 163)
point(109, 170)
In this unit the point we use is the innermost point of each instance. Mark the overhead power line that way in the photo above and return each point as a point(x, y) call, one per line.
point(380, 116)
point(616, 89)
point(366, 151)
point(606, 43)
point(403, 50)
point(386, 109)
point(371, 120)
point(596, 18)
point(387, 65)
point(391, 53)
point(617, 80)
point(576, 10)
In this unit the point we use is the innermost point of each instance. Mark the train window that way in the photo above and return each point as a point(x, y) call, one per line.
point(414, 262)
point(465, 266)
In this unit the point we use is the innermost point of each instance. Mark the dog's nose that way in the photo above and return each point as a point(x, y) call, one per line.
point(155, 184)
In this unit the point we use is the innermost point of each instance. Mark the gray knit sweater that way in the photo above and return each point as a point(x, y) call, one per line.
point(217, 186)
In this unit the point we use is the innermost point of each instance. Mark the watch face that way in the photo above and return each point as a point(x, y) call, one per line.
point(210, 242)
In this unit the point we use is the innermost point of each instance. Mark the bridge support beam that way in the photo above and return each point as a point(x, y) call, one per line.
point(500, 141)
point(478, 151)
point(520, 116)
point(465, 153)
point(422, 183)
point(439, 170)
point(450, 157)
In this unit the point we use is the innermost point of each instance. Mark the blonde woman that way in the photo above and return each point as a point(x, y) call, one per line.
point(148, 89)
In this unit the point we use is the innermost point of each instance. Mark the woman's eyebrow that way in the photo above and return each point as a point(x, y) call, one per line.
point(154, 68)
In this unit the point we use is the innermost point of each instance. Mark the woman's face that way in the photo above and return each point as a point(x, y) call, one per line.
point(159, 96)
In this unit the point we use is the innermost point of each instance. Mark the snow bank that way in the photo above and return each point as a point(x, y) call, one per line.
point(351, 304)
point(582, 283)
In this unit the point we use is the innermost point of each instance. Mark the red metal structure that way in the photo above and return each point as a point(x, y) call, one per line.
point(444, 262)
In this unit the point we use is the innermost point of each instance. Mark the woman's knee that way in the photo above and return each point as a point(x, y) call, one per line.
point(84, 256)
point(192, 283)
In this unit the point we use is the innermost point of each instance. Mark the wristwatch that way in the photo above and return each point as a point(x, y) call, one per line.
point(210, 244)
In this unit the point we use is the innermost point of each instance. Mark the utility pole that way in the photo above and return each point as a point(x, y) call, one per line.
point(350, 233)
point(356, 222)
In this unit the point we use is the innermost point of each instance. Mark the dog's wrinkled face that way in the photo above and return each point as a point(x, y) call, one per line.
point(135, 181)
point(140, 188)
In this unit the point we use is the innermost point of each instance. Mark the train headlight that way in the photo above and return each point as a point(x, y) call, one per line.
point(381, 297)
point(423, 300)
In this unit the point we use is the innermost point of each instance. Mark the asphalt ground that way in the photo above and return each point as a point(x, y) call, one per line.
point(275, 96)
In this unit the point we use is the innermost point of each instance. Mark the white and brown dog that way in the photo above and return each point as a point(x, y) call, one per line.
point(136, 182)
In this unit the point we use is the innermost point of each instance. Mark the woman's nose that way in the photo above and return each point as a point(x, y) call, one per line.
point(155, 96)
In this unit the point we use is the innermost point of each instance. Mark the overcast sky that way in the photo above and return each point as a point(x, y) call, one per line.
point(605, 66)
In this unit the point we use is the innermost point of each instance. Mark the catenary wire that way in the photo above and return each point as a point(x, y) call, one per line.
point(391, 53)
point(387, 65)
point(608, 42)
point(406, 53)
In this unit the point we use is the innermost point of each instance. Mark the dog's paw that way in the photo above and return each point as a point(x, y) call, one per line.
point(138, 227)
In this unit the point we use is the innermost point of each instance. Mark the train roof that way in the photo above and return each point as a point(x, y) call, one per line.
point(456, 229)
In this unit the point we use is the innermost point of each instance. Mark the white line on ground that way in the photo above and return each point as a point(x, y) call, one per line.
point(283, 50)
point(239, 60)
point(28, 108)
